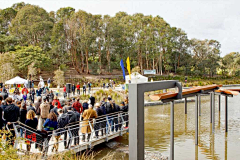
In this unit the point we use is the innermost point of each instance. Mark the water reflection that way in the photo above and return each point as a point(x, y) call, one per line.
point(211, 146)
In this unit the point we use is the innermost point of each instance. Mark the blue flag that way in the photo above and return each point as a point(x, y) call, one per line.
point(122, 65)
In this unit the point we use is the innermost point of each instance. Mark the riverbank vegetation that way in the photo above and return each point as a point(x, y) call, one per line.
point(95, 44)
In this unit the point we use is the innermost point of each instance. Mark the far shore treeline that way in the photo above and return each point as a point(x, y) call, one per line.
point(30, 37)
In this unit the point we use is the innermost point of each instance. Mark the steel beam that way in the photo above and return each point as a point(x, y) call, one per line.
point(172, 132)
point(185, 102)
point(226, 114)
point(136, 113)
point(196, 120)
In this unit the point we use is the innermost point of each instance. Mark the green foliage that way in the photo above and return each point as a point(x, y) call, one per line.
point(59, 77)
point(24, 56)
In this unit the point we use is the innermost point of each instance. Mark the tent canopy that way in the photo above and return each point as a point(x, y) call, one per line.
point(136, 78)
point(17, 80)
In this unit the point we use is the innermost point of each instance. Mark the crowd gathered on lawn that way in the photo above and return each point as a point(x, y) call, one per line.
point(42, 111)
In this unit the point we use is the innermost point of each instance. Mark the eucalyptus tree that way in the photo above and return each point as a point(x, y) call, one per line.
point(32, 25)
point(59, 44)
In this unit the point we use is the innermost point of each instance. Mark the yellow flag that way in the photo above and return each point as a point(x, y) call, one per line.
point(128, 67)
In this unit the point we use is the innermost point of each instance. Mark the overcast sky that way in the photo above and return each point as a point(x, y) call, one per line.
point(201, 19)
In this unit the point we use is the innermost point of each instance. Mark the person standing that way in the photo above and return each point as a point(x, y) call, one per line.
point(73, 89)
point(31, 122)
point(64, 92)
point(39, 92)
point(24, 90)
point(22, 116)
point(37, 107)
point(73, 126)
point(56, 100)
point(84, 88)
point(30, 106)
point(89, 87)
point(62, 120)
point(97, 126)
point(109, 110)
point(32, 94)
point(77, 106)
point(55, 109)
point(44, 108)
point(92, 100)
point(88, 115)
point(78, 89)
point(11, 114)
point(49, 82)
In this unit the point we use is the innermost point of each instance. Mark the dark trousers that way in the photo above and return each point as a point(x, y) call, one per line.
point(115, 121)
point(32, 98)
point(88, 137)
point(75, 136)
point(78, 91)
point(11, 135)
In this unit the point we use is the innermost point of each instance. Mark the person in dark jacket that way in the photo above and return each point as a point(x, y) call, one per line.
point(55, 109)
point(124, 108)
point(98, 123)
point(109, 110)
point(22, 116)
point(39, 92)
point(85, 105)
point(73, 89)
point(37, 107)
point(65, 108)
point(11, 114)
point(116, 108)
point(73, 126)
point(30, 106)
point(1, 111)
point(62, 120)
point(31, 122)
point(92, 100)
point(32, 94)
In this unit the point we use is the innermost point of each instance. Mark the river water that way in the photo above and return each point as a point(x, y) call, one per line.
point(211, 146)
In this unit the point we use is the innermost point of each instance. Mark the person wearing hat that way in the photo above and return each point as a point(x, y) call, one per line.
point(44, 111)
point(98, 124)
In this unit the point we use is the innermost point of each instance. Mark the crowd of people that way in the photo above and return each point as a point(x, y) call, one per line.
point(42, 111)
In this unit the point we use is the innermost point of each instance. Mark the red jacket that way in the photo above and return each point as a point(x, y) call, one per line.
point(77, 106)
point(64, 89)
point(24, 90)
point(55, 100)
point(78, 87)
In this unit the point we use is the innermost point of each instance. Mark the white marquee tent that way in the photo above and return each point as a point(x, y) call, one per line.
point(136, 78)
point(17, 80)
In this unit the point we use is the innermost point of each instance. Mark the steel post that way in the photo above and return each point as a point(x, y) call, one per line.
point(196, 120)
point(199, 96)
point(172, 132)
point(185, 102)
point(226, 114)
point(219, 103)
point(210, 107)
point(213, 112)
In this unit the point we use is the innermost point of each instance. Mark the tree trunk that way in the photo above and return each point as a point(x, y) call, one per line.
point(82, 64)
point(153, 64)
point(87, 60)
point(147, 60)
point(100, 58)
point(160, 63)
point(108, 59)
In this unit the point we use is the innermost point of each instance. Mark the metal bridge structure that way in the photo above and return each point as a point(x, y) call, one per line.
point(107, 126)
